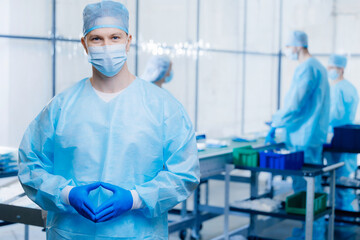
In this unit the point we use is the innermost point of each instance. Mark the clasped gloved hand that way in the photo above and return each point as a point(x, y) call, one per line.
point(270, 138)
point(120, 202)
point(79, 199)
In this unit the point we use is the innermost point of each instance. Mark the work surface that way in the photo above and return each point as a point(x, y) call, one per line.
point(211, 152)
point(213, 161)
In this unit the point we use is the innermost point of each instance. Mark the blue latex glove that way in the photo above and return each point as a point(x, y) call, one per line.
point(268, 123)
point(121, 201)
point(270, 138)
point(79, 199)
point(239, 139)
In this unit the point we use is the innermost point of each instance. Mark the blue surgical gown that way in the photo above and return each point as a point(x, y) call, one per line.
point(305, 119)
point(141, 140)
point(344, 103)
point(305, 113)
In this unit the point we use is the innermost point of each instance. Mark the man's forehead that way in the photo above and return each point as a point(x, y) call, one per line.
point(106, 31)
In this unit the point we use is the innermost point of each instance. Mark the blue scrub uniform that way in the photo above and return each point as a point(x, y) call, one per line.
point(141, 140)
point(344, 103)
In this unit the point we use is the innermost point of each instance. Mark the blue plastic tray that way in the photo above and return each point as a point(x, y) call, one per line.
point(346, 137)
point(200, 137)
point(290, 161)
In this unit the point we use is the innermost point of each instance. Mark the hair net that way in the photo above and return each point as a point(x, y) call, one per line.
point(105, 14)
point(337, 61)
point(297, 39)
point(156, 68)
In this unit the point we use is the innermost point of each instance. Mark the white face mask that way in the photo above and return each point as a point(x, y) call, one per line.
point(333, 74)
point(108, 59)
point(288, 52)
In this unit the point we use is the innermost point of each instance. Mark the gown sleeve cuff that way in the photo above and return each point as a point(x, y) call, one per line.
point(137, 202)
point(65, 194)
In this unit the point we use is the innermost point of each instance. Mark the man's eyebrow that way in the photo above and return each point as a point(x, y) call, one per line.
point(117, 33)
point(93, 35)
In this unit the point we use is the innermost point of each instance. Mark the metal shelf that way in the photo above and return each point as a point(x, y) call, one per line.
point(281, 213)
point(25, 215)
point(10, 174)
point(326, 184)
point(308, 170)
point(338, 150)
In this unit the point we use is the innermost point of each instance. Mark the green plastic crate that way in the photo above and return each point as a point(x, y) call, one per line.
point(296, 203)
point(246, 157)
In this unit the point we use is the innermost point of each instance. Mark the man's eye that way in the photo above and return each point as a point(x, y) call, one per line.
point(95, 39)
point(116, 38)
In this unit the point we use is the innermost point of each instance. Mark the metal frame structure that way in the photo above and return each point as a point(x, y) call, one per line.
point(344, 216)
point(309, 173)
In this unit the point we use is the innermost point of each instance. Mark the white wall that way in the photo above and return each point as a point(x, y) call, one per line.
point(332, 27)
point(26, 67)
point(4, 73)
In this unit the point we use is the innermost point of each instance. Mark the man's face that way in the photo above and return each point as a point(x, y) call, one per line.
point(332, 67)
point(292, 49)
point(339, 70)
point(106, 36)
point(291, 52)
point(169, 70)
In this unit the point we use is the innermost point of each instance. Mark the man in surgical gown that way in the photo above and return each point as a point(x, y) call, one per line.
point(114, 132)
point(305, 113)
point(344, 103)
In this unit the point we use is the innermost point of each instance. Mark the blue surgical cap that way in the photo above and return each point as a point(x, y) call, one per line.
point(156, 68)
point(105, 14)
point(337, 61)
point(297, 39)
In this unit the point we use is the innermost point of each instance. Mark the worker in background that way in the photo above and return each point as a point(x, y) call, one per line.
point(305, 114)
point(344, 103)
point(158, 70)
point(108, 157)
